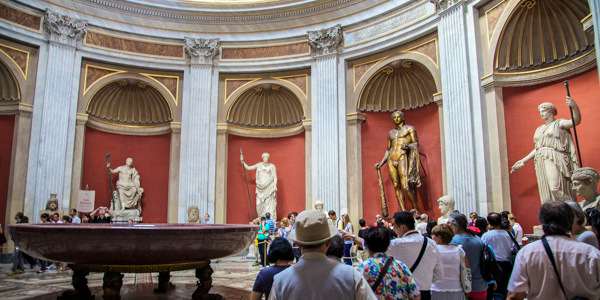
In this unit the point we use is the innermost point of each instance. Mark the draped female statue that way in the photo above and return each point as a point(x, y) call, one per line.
point(554, 154)
point(266, 186)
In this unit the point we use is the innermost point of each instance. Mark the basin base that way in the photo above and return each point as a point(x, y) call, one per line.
point(113, 280)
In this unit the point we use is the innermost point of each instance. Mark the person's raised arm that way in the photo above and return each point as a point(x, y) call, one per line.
point(112, 215)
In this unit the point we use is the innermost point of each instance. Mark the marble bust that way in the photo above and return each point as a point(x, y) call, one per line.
point(193, 214)
point(129, 191)
point(585, 182)
point(319, 207)
point(446, 205)
point(51, 206)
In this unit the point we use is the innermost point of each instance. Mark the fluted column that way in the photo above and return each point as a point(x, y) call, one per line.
point(195, 130)
point(326, 175)
point(459, 131)
point(52, 161)
point(354, 162)
point(595, 8)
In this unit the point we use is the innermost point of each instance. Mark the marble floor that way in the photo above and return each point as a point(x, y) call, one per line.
point(233, 278)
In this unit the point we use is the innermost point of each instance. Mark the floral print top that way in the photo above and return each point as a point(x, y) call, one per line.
point(398, 282)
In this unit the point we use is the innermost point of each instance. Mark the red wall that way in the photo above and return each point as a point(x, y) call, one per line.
point(7, 125)
point(150, 157)
point(374, 144)
point(287, 154)
point(522, 119)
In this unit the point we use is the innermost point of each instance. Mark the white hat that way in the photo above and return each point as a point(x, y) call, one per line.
point(312, 228)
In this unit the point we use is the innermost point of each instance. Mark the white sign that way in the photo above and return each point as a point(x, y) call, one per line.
point(85, 202)
point(390, 24)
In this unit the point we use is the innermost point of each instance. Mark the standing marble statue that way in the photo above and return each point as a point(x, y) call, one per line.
point(446, 206)
point(554, 154)
point(266, 186)
point(129, 190)
point(402, 156)
point(585, 182)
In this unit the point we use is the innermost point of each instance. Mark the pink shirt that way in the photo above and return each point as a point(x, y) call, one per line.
point(578, 265)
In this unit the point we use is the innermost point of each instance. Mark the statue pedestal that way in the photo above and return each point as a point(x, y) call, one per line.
point(125, 220)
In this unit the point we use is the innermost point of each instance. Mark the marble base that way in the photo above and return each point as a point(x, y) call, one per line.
point(124, 220)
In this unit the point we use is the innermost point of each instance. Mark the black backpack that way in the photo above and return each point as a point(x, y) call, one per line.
point(490, 270)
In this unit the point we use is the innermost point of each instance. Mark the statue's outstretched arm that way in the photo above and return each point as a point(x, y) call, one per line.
point(520, 163)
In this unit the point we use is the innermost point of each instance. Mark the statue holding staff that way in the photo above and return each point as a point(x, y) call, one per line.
point(554, 153)
point(266, 186)
point(129, 190)
point(402, 157)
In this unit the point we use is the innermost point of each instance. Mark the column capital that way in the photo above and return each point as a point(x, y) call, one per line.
point(201, 51)
point(443, 5)
point(326, 40)
point(63, 29)
point(355, 118)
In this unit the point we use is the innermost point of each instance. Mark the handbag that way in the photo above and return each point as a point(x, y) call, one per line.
point(465, 274)
point(551, 256)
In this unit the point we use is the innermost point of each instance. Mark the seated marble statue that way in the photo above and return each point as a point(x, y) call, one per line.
point(194, 214)
point(585, 181)
point(51, 206)
point(446, 205)
point(129, 191)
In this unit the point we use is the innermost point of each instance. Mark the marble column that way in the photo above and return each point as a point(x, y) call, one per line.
point(595, 8)
point(78, 158)
point(438, 99)
point(174, 169)
point(221, 174)
point(326, 141)
point(54, 145)
point(308, 200)
point(195, 130)
point(354, 162)
point(459, 126)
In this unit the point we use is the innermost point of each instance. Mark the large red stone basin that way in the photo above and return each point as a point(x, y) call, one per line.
point(141, 244)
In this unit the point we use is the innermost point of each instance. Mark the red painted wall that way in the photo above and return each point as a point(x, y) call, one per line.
point(287, 154)
point(374, 144)
point(522, 119)
point(150, 157)
point(7, 125)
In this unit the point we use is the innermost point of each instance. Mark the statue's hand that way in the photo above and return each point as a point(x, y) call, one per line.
point(570, 102)
point(108, 165)
point(519, 164)
point(377, 166)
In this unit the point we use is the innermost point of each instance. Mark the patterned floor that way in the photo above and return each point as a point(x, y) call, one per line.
point(233, 278)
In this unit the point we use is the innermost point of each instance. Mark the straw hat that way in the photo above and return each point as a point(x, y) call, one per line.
point(312, 228)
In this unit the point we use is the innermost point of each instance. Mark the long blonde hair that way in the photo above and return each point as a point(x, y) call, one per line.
point(346, 220)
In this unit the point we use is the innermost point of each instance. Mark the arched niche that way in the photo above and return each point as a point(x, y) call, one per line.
point(539, 41)
point(427, 68)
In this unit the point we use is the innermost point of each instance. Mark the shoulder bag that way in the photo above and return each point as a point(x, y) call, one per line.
point(382, 273)
point(551, 257)
point(414, 266)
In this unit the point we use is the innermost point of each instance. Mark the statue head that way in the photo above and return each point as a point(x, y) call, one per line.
point(52, 203)
point(319, 205)
point(129, 161)
point(193, 214)
point(446, 204)
point(585, 180)
point(549, 107)
point(398, 117)
point(265, 157)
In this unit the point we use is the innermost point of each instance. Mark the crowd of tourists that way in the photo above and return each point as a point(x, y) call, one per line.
point(411, 257)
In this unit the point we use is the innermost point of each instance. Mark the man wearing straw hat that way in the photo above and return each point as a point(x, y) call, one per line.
point(314, 276)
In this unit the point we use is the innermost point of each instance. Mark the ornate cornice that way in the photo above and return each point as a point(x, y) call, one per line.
point(64, 29)
point(326, 40)
point(201, 51)
point(442, 5)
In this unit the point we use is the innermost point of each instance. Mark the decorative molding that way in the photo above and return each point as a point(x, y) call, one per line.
point(94, 74)
point(565, 70)
point(265, 52)
point(492, 16)
point(326, 40)
point(428, 49)
point(588, 23)
point(64, 29)
point(262, 133)
point(234, 84)
point(16, 108)
point(438, 99)
point(82, 119)
point(128, 129)
point(201, 51)
point(19, 57)
point(355, 118)
point(20, 17)
point(359, 70)
point(135, 46)
point(300, 81)
point(169, 82)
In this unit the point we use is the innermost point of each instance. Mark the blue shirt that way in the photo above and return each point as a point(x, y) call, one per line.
point(271, 226)
point(264, 280)
point(473, 247)
point(501, 242)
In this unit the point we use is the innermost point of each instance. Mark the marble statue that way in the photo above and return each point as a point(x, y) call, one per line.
point(554, 154)
point(402, 156)
point(193, 214)
point(585, 182)
point(51, 206)
point(319, 207)
point(446, 205)
point(129, 202)
point(266, 186)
